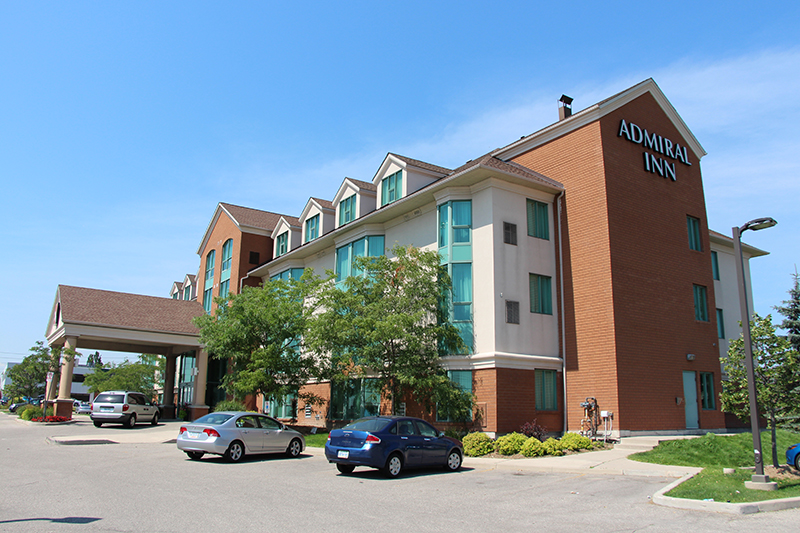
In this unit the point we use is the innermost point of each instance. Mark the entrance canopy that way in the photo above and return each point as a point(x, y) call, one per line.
point(122, 322)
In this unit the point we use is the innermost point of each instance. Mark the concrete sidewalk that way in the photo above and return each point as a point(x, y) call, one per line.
point(164, 432)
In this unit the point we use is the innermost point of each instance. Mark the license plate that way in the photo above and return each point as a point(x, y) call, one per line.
point(193, 434)
point(343, 454)
point(106, 409)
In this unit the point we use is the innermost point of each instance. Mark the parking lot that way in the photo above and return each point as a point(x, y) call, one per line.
point(143, 484)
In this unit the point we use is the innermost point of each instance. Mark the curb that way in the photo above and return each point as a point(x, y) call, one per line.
point(781, 504)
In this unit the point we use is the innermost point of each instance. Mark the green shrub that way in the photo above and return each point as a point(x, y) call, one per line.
point(573, 441)
point(31, 411)
point(454, 433)
point(510, 444)
point(230, 405)
point(533, 447)
point(553, 447)
point(477, 444)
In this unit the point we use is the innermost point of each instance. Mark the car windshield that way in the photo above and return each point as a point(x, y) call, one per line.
point(368, 424)
point(110, 398)
point(213, 419)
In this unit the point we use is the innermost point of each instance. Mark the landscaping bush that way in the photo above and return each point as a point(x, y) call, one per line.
point(533, 447)
point(477, 444)
point(573, 441)
point(553, 447)
point(31, 411)
point(229, 405)
point(532, 429)
point(454, 433)
point(510, 444)
point(50, 419)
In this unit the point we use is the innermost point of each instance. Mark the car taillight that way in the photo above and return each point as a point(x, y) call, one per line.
point(372, 439)
point(183, 428)
point(125, 407)
point(211, 432)
point(329, 436)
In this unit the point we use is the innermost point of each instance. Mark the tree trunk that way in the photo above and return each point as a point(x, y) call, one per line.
point(774, 439)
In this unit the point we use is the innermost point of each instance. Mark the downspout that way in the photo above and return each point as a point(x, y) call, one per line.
point(561, 316)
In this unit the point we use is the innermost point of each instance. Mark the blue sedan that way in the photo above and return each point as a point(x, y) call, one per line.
point(793, 455)
point(391, 444)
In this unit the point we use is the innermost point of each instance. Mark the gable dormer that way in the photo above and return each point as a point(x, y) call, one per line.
point(399, 176)
point(353, 200)
point(317, 219)
point(176, 293)
point(286, 235)
point(189, 288)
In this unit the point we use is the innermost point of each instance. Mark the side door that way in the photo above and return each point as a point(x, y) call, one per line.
point(274, 438)
point(434, 448)
point(690, 399)
point(410, 442)
point(144, 412)
point(250, 433)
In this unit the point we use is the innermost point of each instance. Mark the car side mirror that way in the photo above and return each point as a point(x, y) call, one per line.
point(441, 434)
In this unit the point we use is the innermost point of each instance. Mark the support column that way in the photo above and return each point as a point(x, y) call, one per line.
point(168, 409)
point(199, 407)
point(63, 404)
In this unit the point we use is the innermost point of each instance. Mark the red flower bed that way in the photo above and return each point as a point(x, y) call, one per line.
point(50, 419)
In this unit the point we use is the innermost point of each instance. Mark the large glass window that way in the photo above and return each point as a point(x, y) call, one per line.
point(312, 228)
point(284, 407)
point(210, 268)
point(355, 398)
point(347, 210)
point(371, 246)
point(715, 265)
point(463, 380)
point(538, 220)
point(693, 226)
point(455, 251)
point(392, 188)
point(541, 295)
point(546, 390)
point(187, 292)
point(700, 303)
point(224, 288)
point(290, 273)
point(208, 298)
point(462, 291)
point(227, 255)
point(281, 244)
point(720, 324)
point(707, 390)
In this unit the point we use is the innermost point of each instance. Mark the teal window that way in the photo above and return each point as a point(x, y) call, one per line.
point(546, 390)
point(224, 288)
point(312, 228)
point(347, 210)
point(707, 399)
point(392, 188)
point(700, 303)
point(187, 293)
point(371, 246)
point(720, 324)
point(461, 274)
point(538, 220)
point(455, 251)
point(208, 298)
point(290, 273)
point(693, 226)
point(227, 255)
point(175, 296)
point(210, 268)
point(463, 380)
point(715, 265)
point(284, 407)
point(355, 398)
point(541, 294)
point(282, 244)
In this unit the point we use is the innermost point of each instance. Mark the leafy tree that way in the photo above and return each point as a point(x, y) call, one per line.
point(791, 311)
point(94, 360)
point(138, 376)
point(777, 374)
point(260, 333)
point(28, 377)
point(389, 323)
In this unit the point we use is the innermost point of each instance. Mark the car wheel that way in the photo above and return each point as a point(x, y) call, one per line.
point(345, 469)
point(453, 461)
point(235, 452)
point(294, 448)
point(797, 461)
point(195, 456)
point(97, 423)
point(131, 421)
point(394, 465)
point(154, 421)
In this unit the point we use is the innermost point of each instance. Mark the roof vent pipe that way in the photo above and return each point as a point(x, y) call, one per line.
point(565, 107)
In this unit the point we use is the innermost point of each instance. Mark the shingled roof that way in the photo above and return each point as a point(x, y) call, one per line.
point(79, 305)
point(255, 218)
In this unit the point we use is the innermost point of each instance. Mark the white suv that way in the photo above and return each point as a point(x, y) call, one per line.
point(123, 407)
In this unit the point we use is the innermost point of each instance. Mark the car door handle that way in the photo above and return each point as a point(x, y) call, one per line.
point(404, 438)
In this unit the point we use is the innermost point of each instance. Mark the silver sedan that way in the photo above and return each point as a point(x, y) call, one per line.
point(234, 434)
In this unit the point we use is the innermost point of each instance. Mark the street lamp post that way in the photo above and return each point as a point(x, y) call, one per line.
point(758, 480)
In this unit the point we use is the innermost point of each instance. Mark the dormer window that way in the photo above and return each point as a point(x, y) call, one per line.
point(281, 244)
point(347, 210)
point(312, 228)
point(392, 188)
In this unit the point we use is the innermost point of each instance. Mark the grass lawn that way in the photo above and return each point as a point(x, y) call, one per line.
point(317, 440)
point(713, 452)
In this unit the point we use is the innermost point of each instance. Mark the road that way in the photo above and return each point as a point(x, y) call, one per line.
point(153, 487)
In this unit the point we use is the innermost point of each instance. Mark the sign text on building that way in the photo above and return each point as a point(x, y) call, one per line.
point(658, 144)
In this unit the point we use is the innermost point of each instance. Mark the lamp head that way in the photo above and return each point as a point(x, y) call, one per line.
point(759, 223)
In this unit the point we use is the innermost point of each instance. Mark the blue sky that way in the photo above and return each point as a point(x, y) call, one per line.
point(123, 124)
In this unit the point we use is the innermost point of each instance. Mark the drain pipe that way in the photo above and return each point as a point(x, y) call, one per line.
point(559, 199)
